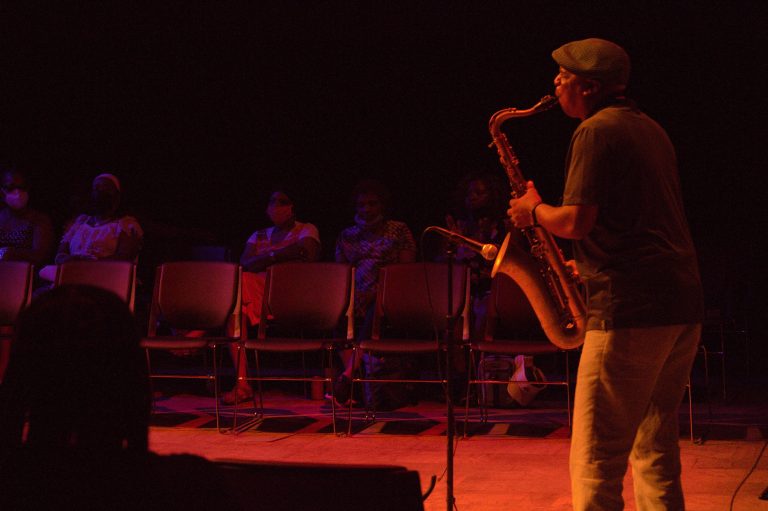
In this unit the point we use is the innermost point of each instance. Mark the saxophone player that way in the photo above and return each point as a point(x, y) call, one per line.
point(622, 208)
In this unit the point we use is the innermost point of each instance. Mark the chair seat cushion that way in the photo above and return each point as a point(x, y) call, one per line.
point(399, 345)
point(516, 347)
point(291, 344)
point(172, 342)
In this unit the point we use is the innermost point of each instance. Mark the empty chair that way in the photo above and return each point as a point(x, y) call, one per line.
point(116, 276)
point(307, 307)
point(511, 329)
point(200, 296)
point(411, 317)
point(16, 279)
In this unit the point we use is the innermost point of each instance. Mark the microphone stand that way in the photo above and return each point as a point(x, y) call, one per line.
point(489, 252)
point(450, 252)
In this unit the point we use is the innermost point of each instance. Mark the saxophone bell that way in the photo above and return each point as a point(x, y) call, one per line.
point(540, 271)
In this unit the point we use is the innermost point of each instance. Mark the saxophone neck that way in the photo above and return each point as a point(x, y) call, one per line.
point(497, 119)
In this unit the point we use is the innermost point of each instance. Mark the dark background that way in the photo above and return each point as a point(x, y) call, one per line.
point(199, 107)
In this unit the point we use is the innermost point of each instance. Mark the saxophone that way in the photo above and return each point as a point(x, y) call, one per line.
point(547, 282)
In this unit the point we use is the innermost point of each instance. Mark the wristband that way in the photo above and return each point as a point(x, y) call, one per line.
point(533, 215)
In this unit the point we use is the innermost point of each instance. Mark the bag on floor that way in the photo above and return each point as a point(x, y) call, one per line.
point(526, 375)
point(498, 368)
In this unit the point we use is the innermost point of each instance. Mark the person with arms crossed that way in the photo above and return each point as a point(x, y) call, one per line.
point(287, 239)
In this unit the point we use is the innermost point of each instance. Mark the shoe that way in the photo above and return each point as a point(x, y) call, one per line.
point(342, 389)
point(336, 402)
point(240, 393)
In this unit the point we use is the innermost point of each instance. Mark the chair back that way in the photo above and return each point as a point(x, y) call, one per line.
point(15, 289)
point(510, 314)
point(197, 295)
point(413, 298)
point(314, 296)
point(118, 277)
point(209, 253)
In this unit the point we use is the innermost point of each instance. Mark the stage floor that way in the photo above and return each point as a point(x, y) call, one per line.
point(518, 460)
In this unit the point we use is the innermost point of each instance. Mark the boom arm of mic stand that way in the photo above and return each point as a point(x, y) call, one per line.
point(487, 250)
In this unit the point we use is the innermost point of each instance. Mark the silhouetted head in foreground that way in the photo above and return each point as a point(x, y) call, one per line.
point(77, 376)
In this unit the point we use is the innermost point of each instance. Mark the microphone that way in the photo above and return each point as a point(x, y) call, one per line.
point(487, 250)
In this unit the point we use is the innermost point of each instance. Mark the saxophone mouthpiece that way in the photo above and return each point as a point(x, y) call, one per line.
point(546, 103)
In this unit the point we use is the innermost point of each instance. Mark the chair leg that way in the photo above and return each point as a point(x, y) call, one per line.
point(333, 399)
point(569, 406)
point(722, 357)
point(260, 410)
point(351, 392)
point(149, 375)
point(237, 381)
point(216, 389)
point(470, 369)
point(370, 407)
point(482, 397)
point(690, 409)
point(705, 352)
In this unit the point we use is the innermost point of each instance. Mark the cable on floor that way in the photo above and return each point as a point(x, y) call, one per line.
point(754, 466)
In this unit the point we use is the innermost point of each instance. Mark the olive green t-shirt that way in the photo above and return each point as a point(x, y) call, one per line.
point(638, 263)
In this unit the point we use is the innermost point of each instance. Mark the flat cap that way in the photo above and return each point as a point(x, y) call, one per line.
point(595, 58)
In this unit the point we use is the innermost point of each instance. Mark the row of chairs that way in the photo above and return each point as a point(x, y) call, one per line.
point(200, 296)
point(308, 307)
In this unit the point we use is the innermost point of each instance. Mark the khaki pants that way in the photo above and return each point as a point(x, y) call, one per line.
point(628, 392)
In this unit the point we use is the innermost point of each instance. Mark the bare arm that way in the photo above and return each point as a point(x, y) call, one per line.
point(305, 249)
point(570, 222)
point(128, 246)
point(62, 253)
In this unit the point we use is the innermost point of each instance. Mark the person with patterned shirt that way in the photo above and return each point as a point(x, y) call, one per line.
point(25, 234)
point(374, 241)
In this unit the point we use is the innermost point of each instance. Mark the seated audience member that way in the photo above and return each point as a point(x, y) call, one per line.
point(74, 415)
point(102, 233)
point(286, 240)
point(374, 241)
point(480, 214)
point(25, 234)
